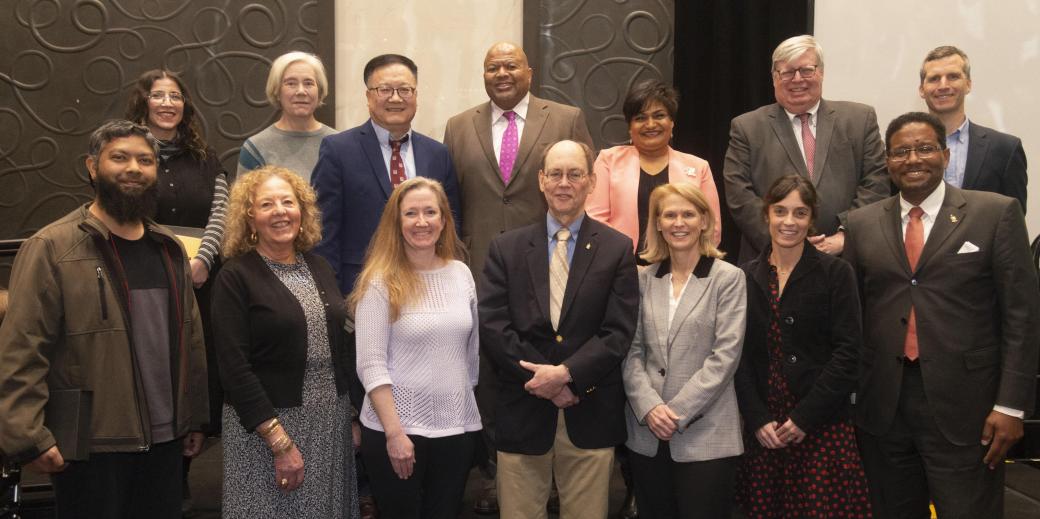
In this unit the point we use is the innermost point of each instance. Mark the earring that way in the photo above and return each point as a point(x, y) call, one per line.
point(253, 239)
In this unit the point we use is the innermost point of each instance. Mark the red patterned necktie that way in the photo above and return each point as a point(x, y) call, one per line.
point(397, 174)
point(913, 242)
point(510, 144)
point(808, 144)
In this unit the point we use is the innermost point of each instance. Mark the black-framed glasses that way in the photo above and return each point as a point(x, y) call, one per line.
point(902, 154)
point(807, 72)
point(159, 95)
point(555, 177)
point(387, 91)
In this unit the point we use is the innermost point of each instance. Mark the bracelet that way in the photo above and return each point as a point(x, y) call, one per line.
point(282, 445)
point(270, 428)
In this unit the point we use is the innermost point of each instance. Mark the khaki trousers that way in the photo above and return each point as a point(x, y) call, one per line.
point(582, 477)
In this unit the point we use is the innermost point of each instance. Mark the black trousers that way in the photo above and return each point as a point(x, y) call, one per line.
point(669, 489)
point(438, 480)
point(122, 485)
point(913, 463)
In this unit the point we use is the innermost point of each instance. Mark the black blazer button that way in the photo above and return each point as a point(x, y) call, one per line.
point(789, 320)
point(792, 359)
point(661, 371)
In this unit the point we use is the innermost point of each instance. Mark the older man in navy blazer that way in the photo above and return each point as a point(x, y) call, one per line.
point(558, 308)
point(357, 169)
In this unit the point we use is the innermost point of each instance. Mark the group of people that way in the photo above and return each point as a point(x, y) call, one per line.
point(510, 300)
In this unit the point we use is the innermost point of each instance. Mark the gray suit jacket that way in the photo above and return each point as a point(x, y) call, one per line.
point(849, 166)
point(491, 206)
point(690, 365)
point(996, 162)
point(978, 313)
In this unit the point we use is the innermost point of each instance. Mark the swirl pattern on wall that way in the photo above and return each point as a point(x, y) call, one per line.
point(68, 66)
point(590, 53)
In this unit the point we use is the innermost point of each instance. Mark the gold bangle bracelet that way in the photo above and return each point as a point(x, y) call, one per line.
point(282, 446)
point(270, 428)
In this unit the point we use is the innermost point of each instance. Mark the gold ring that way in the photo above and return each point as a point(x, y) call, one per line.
point(285, 482)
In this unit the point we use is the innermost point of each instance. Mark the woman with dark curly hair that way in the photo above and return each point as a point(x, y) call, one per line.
point(284, 358)
point(193, 191)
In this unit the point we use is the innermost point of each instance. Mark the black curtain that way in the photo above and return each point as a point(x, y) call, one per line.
point(722, 62)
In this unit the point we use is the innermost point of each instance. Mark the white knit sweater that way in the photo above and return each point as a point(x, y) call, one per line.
point(429, 356)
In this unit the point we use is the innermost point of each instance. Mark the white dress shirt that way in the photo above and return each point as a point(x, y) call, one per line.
point(499, 123)
point(796, 124)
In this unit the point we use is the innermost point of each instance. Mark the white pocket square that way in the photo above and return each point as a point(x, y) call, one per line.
point(968, 248)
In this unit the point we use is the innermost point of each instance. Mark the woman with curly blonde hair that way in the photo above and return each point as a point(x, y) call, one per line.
point(417, 356)
point(283, 357)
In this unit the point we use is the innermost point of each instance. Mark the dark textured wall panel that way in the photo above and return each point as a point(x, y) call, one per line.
point(588, 53)
point(65, 66)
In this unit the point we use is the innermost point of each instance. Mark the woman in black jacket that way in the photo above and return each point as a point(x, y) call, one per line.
point(798, 370)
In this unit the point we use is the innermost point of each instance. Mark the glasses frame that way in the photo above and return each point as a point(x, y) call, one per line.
point(921, 152)
point(573, 177)
point(159, 95)
point(788, 75)
point(394, 90)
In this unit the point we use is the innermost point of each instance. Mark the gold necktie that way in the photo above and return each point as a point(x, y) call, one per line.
point(558, 270)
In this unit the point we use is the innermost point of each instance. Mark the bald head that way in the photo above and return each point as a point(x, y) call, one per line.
point(507, 76)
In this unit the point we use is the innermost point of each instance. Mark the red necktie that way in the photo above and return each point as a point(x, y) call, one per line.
point(397, 174)
point(808, 144)
point(510, 144)
point(913, 242)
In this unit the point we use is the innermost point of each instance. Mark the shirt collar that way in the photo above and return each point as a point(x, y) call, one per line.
point(383, 135)
point(930, 205)
point(812, 113)
point(551, 225)
point(960, 134)
point(520, 109)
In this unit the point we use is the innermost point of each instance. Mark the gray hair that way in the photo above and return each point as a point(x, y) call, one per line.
point(274, 77)
point(793, 47)
point(118, 129)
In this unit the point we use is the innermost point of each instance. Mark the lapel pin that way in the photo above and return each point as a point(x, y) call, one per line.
point(690, 172)
point(953, 219)
point(588, 246)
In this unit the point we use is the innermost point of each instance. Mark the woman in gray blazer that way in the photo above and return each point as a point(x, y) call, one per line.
point(683, 422)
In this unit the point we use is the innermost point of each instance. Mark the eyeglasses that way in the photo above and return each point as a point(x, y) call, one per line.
point(555, 177)
point(174, 97)
point(902, 154)
point(805, 73)
point(386, 91)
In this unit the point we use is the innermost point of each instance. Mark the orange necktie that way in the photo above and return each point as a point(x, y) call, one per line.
point(913, 242)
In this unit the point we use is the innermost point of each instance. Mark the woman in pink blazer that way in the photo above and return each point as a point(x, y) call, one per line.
point(625, 175)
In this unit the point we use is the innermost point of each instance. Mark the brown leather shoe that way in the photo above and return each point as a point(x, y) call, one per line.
point(486, 502)
point(368, 507)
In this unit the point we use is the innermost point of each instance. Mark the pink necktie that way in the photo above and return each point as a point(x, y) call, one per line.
point(507, 155)
point(808, 144)
point(913, 242)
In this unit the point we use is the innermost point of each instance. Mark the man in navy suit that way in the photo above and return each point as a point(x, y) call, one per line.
point(981, 158)
point(357, 169)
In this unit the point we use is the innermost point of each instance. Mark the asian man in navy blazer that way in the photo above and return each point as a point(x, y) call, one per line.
point(981, 158)
point(354, 175)
point(951, 330)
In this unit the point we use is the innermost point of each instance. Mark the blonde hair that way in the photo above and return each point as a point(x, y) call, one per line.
point(656, 249)
point(274, 78)
point(386, 259)
point(239, 236)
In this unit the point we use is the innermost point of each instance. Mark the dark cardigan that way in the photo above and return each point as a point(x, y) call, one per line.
point(260, 333)
point(821, 328)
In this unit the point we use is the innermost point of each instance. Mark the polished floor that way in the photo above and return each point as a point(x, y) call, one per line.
point(1022, 492)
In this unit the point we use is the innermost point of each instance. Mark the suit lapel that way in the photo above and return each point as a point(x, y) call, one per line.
point(538, 267)
point(658, 300)
point(585, 249)
point(537, 115)
point(824, 132)
point(482, 125)
point(785, 134)
point(951, 214)
point(370, 144)
point(891, 223)
point(978, 144)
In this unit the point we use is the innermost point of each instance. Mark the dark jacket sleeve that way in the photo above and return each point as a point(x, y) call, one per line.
point(752, 405)
point(231, 332)
point(327, 180)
